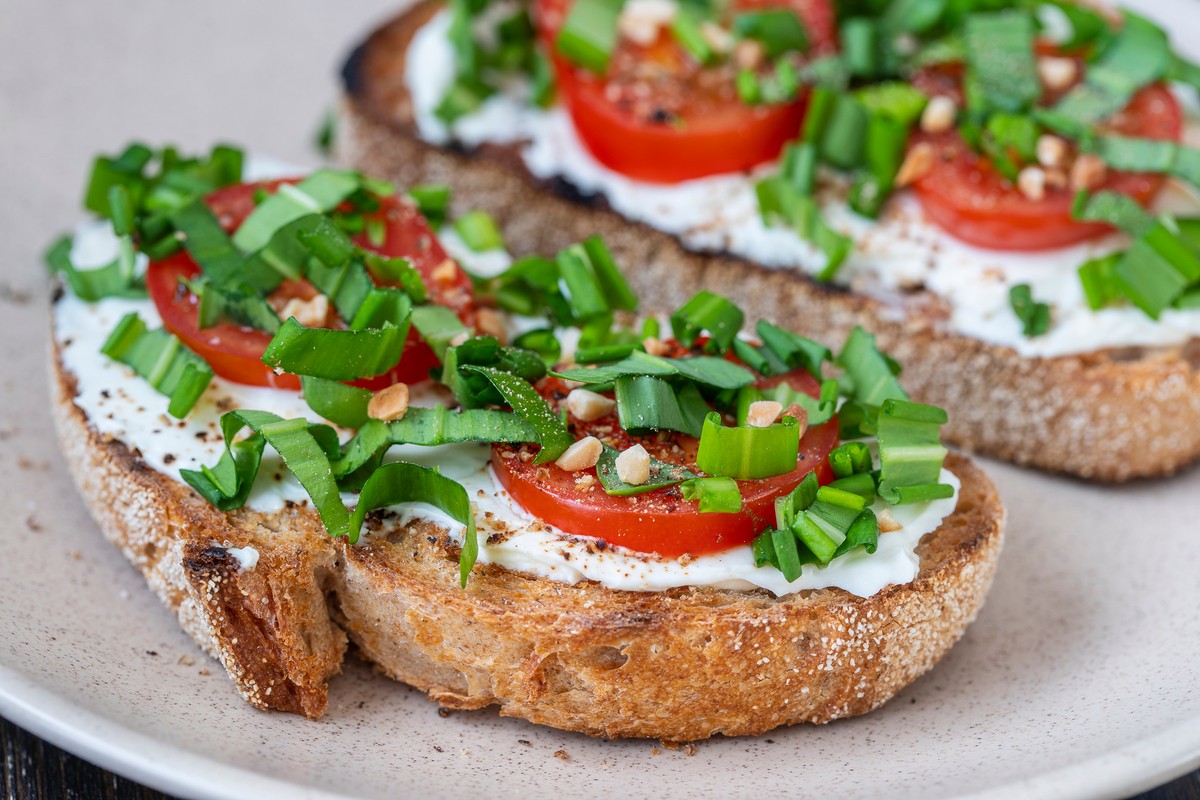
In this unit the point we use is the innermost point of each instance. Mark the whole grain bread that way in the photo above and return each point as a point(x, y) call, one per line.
point(1110, 415)
point(679, 665)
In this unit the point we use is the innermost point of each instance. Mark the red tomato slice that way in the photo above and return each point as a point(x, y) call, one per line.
point(660, 521)
point(235, 352)
point(968, 199)
point(709, 131)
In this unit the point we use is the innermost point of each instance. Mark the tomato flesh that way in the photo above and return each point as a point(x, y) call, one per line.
point(235, 351)
point(687, 122)
point(966, 197)
point(660, 521)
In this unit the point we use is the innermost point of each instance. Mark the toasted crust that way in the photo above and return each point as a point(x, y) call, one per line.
point(678, 665)
point(1106, 416)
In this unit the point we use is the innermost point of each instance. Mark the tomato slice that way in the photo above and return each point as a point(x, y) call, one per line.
point(686, 122)
point(968, 199)
point(660, 521)
point(235, 351)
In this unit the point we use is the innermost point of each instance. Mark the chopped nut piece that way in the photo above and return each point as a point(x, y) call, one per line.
point(1057, 73)
point(310, 313)
point(641, 20)
point(390, 403)
point(717, 37)
point(800, 413)
point(1056, 179)
point(655, 347)
point(581, 455)
point(589, 406)
point(887, 523)
point(460, 338)
point(633, 465)
point(749, 54)
point(1051, 150)
point(1088, 172)
point(939, 114)
point(763, 413)
point(1031, 181)
point(445, 272)
point(917, 163)
point(488, 322)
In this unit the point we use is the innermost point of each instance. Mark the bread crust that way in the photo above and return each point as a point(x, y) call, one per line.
point(1110, 415)
point(581, 658)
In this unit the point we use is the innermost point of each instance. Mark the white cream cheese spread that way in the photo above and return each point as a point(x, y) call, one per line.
point(900, 251)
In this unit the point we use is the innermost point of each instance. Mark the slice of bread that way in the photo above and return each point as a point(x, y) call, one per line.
point(1111, 415)
point(678, 665)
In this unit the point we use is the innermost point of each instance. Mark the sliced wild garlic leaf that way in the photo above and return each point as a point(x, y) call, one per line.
point(160, 358)
point(646, 404)
point(438, 326)
point(869, 370)
point(531, 407)
point(208, 244)
point(335, 354)
point(305, 449)
point(411, 483)
point(1034, 315)
point(864, 533)
point(320, 192)
point(1112, 208)
point(662, 475)
point(707, 311)
point(335, 401)
point(431, 427)
point(706, 370)
point(1001, 68)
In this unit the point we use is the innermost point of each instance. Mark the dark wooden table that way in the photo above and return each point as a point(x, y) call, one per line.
point(37, 770)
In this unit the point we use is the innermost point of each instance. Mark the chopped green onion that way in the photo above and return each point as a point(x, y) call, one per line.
point(438, 326)
point(714, 495)
point(111, 280)
point(1034, 316)
point(433, 201)
point(710, 312)
point(478, 231)
point(860, 46)
point(860, 483)
point(240, 303)
point(662, 475)
point(1097, 276)
point(207, 242)
point(1156, 269)
point(686, 30)
point(709, 371)
point(318, 193)
point(793, 349)
point(869, 370)
point(911, 452)
point(160, 358)
point(748, 453)
point(589, 33)
point(543, 342)
point(864, 533)
point(850, 458)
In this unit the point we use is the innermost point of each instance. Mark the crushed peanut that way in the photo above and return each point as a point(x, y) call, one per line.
point(655, 347)
point(887, 523)
point(749, 54)
point(582, 455)
point(488, 322)
point(641, 20)
point(310, 313)
point(917, 164)
point(1051, 150)
point(763, 413)
point(1088, 172)
point(1031, 181)
point(445, 272)
point(1057, 73)
point(633, 465)
point(939, 114)
point(589, 406)
point(389, 404)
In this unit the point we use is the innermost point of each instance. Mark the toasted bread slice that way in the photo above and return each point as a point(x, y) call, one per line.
point(1111, 415)
point(678, 665)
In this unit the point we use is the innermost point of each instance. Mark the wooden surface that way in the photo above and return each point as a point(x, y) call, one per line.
point(36, 770)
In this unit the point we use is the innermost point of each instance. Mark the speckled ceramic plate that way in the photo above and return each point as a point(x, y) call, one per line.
point(1078, 680)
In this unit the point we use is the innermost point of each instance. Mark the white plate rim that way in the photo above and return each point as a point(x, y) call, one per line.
point(1139, 766)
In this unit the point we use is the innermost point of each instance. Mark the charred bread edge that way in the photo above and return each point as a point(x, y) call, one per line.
point(1107, 416)
point(581, 657)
